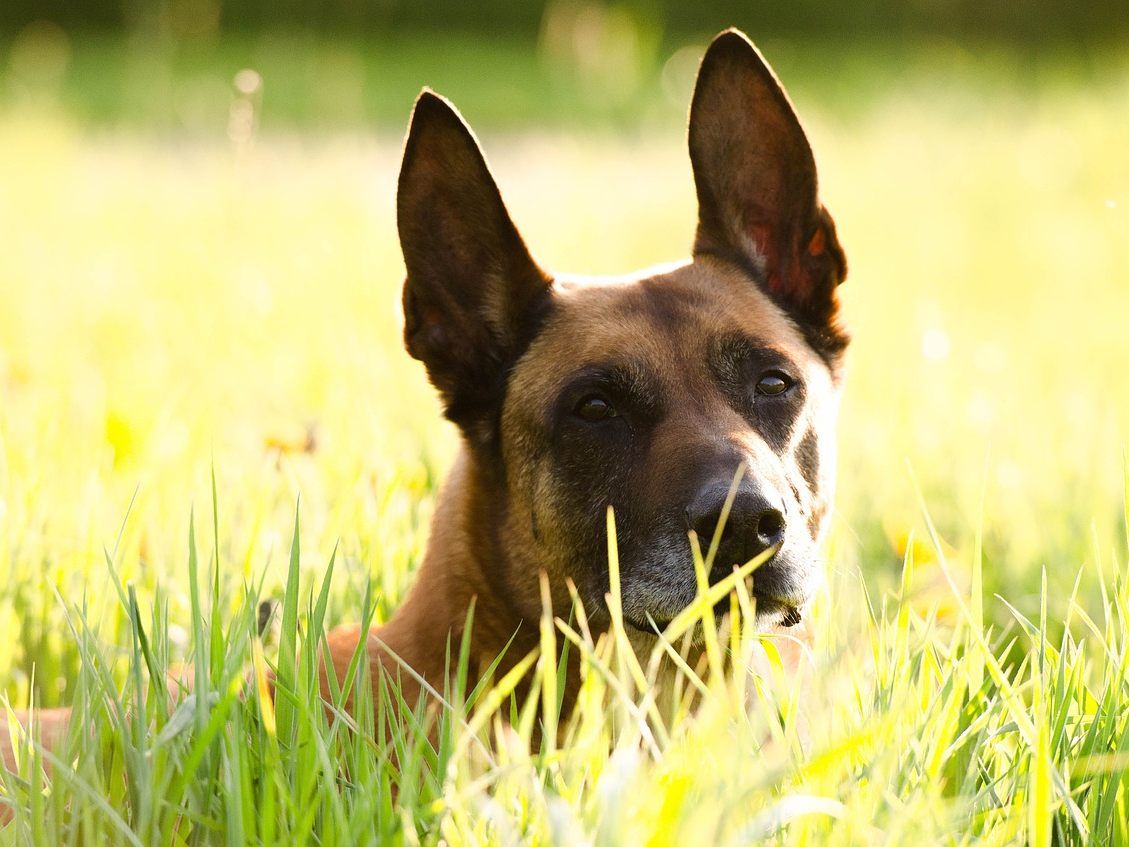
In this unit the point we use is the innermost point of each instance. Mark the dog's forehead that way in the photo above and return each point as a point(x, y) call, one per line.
point(665, 317)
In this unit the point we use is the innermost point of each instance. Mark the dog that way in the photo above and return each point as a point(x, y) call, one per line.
point(647, 393)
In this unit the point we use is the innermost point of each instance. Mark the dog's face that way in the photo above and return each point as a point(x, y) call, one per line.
point(652, 393)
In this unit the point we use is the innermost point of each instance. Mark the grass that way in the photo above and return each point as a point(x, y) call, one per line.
point(210, 327)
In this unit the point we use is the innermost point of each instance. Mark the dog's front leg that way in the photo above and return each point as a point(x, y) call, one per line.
point(51, 728)
point(51, 725)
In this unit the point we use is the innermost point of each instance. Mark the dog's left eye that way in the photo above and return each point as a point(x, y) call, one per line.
point(594, 408)
point(774, 383)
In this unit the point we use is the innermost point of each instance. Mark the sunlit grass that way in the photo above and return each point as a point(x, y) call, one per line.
point(922, 734)
point(168, 308)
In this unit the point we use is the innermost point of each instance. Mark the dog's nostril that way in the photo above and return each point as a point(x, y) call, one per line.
point(751, 526)
point(770, 527)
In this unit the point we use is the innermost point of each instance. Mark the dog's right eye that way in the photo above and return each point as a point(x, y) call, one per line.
point(594, 408)
point(773, 383)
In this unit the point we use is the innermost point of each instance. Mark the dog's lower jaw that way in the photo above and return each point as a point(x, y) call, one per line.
point(770, 615)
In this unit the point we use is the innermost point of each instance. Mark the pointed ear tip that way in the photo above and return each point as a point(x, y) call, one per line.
point(732, 33)
point(435, 117)
point(430, 106)
point(733, 45)
point(732, 39)
point(429, 100)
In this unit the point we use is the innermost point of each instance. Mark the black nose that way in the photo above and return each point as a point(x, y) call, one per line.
point(755, 523)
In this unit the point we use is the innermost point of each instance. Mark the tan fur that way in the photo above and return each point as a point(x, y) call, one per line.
point(505, 344)
point(595, 322)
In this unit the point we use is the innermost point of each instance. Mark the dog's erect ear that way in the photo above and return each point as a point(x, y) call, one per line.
point(473, 293)
point(756, 182)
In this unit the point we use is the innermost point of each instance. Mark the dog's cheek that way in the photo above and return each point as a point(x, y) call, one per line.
point(585, 476)
point(543, 526)
point(808, 474)
point(811, 464)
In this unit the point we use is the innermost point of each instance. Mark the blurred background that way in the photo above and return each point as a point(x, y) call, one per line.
point(199, 273)
point(166, 65)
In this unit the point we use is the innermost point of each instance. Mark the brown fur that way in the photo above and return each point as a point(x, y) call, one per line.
point(675, 357)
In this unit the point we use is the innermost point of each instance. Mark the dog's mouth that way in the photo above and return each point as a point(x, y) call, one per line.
point(784, 613)
point(771, 611)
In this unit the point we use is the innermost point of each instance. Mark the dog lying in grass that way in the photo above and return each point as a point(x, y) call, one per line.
point(697, 401)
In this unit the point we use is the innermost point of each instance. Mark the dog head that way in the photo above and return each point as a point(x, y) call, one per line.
point(652, 393)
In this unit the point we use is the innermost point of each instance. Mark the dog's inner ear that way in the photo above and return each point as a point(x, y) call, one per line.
point(473, 293)
point(756, 183)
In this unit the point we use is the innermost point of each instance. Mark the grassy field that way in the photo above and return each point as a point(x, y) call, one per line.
point(199, 327)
